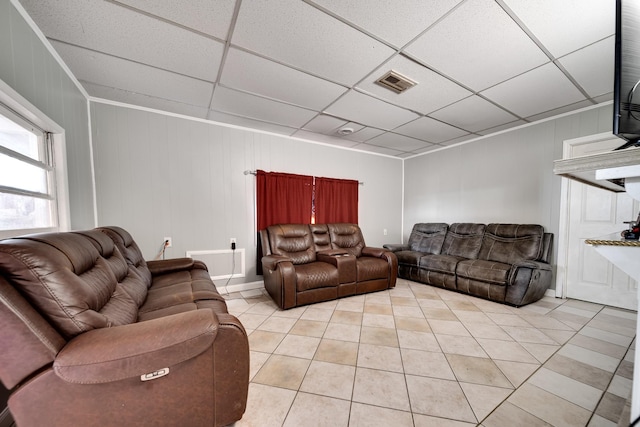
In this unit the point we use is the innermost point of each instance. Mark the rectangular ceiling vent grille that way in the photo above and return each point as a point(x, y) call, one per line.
point(396, 81)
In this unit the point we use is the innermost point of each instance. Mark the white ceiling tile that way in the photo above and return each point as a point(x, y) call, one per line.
point(478, 45)
point(564, 109)
point(254, 107)
point(364, 109)
point(324, 124)
point(396, 23)
point(592, 67)
point(426, 149)
point(542, 89)
point(105, 70)
point(398, 142)
point(355, 127)
point(105, 27)
point(432, 91)
point(326, 139)
point(376, 149)
point(364, 134)
point(147, 101)
point(502, 127)
point(428, 129)
point(567, 25)
point(257, 75)
point(458, 140)
point(473, 114)
point(211, 17)
point(249, 123)
point(302, 36)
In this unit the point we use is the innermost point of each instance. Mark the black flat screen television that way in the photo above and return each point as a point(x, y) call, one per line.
point(626, 85)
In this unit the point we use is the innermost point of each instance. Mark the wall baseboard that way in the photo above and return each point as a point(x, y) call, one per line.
point(551, 293)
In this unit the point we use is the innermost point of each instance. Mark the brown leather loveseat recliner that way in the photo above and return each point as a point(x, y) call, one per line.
point(309, 263)
point(93, 335)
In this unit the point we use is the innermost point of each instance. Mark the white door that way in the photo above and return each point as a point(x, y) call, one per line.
point(594, 213)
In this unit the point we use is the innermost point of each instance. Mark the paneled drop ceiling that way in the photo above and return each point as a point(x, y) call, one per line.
point(308, 68)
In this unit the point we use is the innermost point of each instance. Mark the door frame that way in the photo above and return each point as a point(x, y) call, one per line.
point(568, 147)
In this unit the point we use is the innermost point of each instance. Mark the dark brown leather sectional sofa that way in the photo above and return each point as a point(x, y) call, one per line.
point(92, 335)
point(507, 263)
point(309, 263)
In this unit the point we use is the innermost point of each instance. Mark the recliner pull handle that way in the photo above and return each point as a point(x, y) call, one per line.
point(155, 374)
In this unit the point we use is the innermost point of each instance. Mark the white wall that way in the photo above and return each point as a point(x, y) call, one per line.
point(503, 178)
point(165, 176)
point(27, 66)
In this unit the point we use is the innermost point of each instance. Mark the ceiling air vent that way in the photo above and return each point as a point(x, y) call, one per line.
point(396, 81)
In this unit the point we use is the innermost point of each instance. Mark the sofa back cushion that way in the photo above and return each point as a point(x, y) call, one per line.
point(292, 240)
point(64, 277)
point(321, 238)
point(510, 243)
point(347, 237)
point(130, 250)
point(126, 275)
point(463, 240)
point(428, 237)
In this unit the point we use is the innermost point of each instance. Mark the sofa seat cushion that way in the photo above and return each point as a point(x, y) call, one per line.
point(315, 275)
point(370, 268)
point(440, 263)
point(200, 281)
point(218, 307)
point(409, 257)
point(484, 271)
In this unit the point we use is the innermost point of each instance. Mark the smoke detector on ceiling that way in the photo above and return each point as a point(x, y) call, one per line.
point(396, 81)
point(345, 131)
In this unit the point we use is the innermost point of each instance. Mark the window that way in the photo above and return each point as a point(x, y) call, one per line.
point(27, 178)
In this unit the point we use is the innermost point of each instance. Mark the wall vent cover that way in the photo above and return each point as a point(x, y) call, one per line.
point(396, 81)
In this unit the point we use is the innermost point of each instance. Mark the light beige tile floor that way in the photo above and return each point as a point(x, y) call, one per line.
point(422, 356)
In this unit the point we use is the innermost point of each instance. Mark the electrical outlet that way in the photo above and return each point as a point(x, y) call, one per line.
point(384, 231)
point(169, 242)
point(232, 240)
point(233, 243)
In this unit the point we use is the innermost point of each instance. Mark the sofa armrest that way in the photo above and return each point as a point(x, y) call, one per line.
point(394, 247)
point(375, 252)
point(164, 266)
point(271, 262)
point(527, 282)
point(388, 256)
point(343, 261)
point(526, 265)
point(112, 354)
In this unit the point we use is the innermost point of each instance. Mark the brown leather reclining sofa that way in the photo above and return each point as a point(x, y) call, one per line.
point(506, 263)
point(94, 335)
point(309, 263)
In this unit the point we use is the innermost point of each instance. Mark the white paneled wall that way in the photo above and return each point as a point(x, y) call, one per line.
point(503, 178)
point(164, 176)
point(27, 66)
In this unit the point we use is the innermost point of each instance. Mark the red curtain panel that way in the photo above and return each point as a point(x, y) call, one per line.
point(336, 200)
point(283, 198)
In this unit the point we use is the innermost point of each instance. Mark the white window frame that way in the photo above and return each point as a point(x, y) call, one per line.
point(21, 106)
